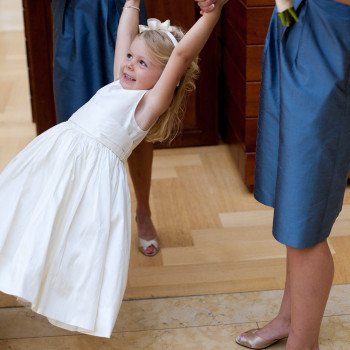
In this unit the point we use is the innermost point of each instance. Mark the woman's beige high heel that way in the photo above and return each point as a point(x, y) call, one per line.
point(251, 340)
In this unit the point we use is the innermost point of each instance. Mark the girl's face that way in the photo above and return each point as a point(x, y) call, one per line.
point(137, 71)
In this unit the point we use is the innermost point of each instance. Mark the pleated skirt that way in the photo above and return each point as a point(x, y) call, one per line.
point(65, 230)
point(303, 146)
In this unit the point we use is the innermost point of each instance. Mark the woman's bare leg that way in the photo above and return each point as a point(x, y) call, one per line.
point(311, 277)
point(140, 167)
point(279, 327)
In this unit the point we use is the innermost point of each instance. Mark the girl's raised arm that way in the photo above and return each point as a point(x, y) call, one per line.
point(158, 99)
point(127, 30)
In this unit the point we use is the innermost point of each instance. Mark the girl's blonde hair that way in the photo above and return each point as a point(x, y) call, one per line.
point(169, 123)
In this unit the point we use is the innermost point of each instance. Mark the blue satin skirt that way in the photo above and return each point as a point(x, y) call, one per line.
point(303, 146)
point(84, 35)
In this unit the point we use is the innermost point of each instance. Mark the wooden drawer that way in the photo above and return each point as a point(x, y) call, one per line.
point(245, 94)
point(246, 57)
point(250, 23)
point(238, 128)
point(245, 163)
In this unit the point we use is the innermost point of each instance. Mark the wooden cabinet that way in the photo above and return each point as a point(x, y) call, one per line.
point(201, 119)
point(244, 28)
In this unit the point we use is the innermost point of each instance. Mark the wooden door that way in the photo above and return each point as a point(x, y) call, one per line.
point(201, 119)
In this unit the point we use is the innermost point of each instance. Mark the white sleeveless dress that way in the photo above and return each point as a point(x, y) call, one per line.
point(65, 215)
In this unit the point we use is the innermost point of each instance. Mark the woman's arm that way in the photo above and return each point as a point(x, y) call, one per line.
point(157, 100)
point(127, 30)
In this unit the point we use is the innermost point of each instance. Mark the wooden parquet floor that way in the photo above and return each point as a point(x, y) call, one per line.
point(215, 237)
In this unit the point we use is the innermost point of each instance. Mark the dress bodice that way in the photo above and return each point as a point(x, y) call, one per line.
point(109, 117)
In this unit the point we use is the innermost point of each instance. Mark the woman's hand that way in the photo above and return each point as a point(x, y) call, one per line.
point(206, 5)
point(210, 5)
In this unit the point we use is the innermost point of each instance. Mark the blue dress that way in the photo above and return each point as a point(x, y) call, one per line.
point(84, 35)
point(303, 146)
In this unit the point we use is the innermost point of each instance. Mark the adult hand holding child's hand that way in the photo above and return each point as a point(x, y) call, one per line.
point(206, 5)
point(209, 5)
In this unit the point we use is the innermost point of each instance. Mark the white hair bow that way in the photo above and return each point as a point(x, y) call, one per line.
point(156, 24)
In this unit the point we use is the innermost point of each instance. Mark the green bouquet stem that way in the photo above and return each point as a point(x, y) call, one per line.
point(288, 16)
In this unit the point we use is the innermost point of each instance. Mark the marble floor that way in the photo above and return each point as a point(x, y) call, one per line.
point(198, 322)
point(207, 321)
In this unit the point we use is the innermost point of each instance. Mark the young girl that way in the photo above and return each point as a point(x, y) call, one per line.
point(64, 200)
